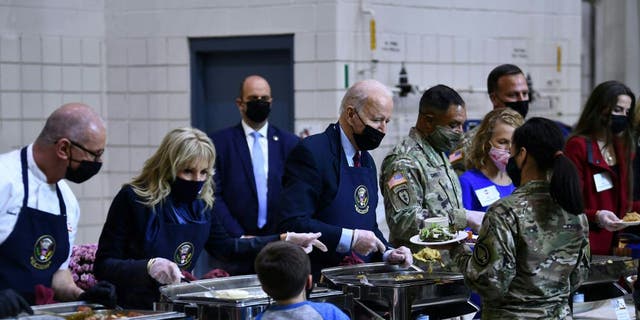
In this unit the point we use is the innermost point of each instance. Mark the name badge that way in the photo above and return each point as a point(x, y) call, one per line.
point(602, 181)
point(487, 195)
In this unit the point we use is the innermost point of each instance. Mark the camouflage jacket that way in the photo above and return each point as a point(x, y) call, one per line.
point(415, 177)
point(529, 256)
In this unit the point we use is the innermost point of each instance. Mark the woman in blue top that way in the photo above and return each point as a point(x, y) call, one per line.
point(486, 181)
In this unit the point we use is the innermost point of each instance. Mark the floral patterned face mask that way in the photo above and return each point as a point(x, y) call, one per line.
point(500, 157)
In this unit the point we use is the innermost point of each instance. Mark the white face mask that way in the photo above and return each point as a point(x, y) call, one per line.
point(500, 157)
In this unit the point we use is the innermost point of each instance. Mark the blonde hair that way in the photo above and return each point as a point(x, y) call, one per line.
point(478, 152)
point(179, 149)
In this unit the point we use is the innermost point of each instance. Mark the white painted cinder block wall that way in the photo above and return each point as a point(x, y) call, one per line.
point(131, 61)
point(52, 52)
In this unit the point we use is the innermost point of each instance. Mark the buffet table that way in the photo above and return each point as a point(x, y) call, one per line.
point(605, 310)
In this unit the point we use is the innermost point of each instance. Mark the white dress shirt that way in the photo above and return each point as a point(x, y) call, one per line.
point(263, 140)
point(42, 196)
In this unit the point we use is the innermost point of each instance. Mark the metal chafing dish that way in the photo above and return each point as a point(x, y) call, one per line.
point(604, 275)
point(68, 310)
point(202, 299)
point(383, 291)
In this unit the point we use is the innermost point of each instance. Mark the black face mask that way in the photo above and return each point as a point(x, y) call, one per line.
point(258, 110)
point(83, 172)
point(513, 171)
point(369, 139)
point(185, 190)
point(522, 107)
point(618, 123)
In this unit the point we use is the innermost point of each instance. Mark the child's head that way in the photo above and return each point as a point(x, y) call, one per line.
point(283, 269)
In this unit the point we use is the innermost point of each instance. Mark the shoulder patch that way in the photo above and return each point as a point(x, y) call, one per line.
point(396, 179)
point(402, 197)
point(481, 254)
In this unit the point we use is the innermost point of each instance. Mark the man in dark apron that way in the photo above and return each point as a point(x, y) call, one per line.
point(330, 183)
point(39, 213)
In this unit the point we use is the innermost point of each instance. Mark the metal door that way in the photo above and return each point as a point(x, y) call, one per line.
point(218, 66)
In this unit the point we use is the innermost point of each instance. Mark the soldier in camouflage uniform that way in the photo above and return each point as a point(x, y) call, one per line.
point(533, 248)
point(417, 175)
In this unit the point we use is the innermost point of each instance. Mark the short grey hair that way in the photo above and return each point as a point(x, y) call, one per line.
point(361, 91)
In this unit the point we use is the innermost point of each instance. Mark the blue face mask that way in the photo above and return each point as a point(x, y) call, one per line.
point(185, 190)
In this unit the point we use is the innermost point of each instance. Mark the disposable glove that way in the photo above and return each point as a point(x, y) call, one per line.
point(608, 220)
point(401, 255)
point(12, 304)
point(164, 271)
point(474, 220)
point(103, 293)
point(365, 242)
point(306, 240)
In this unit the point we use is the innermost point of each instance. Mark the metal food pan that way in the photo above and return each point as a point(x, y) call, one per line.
point(610, 268)
point(69, 310)
point(171, 292)
point(384, 275)
point(255, 296)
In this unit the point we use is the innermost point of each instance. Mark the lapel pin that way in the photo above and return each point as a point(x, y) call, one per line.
point(275, 138)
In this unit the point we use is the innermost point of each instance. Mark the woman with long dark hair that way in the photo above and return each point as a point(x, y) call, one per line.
point(601, 149)
point(532, 251)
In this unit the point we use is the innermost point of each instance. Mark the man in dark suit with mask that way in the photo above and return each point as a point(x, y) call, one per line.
point(330, 182)
point(248, 170)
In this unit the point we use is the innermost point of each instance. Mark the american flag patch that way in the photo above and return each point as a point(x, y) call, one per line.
point(455, 156)
point(396, 179)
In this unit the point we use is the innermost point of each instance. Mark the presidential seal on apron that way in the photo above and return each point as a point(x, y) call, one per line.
point(361, 199)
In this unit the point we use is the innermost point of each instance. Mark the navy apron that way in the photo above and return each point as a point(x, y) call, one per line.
point(37, 246)
point(354, 207)
point(180, 243)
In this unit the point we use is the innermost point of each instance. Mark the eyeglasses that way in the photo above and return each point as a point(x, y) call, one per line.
point(96, 154)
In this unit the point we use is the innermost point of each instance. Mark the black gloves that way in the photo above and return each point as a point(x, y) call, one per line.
point(103, 293)
point(12, 304)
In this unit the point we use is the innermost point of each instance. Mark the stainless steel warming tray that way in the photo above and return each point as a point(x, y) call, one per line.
point(69, 310)
point(213, 291)
point(611, 268)
point(205, 299)
point(604, 275)
point(387, 291)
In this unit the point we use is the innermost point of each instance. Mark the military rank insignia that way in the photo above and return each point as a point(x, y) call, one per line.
point(361, 198)
point(43, 251)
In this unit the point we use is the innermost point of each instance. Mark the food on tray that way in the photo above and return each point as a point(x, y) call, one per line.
point(232, 294)
point(631, 217)
point(427, 254)
point(406, 277)
point(87, 313)
point(435, 233)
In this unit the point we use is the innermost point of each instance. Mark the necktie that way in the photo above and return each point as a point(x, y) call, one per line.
point(356, 159)
point(257, 158)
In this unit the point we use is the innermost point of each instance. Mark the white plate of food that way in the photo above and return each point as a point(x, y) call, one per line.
point(630, 219)
point(459, 236)
point(628, 223)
